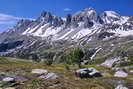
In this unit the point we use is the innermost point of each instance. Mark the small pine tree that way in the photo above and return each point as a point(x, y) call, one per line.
point(74, 57)
point(78, 55)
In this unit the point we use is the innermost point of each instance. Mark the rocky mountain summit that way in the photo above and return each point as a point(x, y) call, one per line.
point(79, 25)
point(76, 26)
point(51, 37)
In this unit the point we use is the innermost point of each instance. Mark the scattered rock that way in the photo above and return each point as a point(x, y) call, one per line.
point(20, 78)
point(120, 74)
point(114, 82)
point(8, 79)
point(12, 77)
point(122, 68)
point(45, 74)
point(109, 63)
point(131, 71)
point(12, 80)
point(49, 76)
point(87, 73)
point(39, 71)
point(121, 87)
point(2, 76)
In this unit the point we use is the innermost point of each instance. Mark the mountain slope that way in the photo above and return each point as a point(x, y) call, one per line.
point(50, 34)
point(79, 25)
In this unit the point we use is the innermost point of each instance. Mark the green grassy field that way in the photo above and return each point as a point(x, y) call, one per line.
point(66, 78)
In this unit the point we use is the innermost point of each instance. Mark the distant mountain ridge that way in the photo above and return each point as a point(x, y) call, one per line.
point(49, 31)
point(75, 26)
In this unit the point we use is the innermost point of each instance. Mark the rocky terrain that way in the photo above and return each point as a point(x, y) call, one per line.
point(86, 43)
point(23, 74)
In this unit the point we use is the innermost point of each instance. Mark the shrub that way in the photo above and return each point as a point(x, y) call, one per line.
point(74, 56)
point(49, 62)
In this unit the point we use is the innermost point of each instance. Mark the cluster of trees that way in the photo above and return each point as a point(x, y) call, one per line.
point(74, 56)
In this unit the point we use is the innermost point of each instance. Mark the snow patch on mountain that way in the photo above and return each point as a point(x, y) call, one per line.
point(82, 33)
point(111, 14)
point(81, 24)
point(122, 33)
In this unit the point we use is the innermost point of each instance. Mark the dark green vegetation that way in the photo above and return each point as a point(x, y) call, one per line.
point(73, 57)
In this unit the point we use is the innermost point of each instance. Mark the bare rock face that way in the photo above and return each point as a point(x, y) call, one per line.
point(68, 20)
point(45, 17)
point(57, 22)
point(120, 74)
point(90, 13)
point(87, 16)
point(22, 25)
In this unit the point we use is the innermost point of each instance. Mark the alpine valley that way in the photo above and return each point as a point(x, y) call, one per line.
point(87, 38)
point(50, 34)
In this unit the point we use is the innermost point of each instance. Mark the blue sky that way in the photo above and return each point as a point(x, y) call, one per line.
point(13, 10)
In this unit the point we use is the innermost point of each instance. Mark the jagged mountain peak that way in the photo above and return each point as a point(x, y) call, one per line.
point(111, 13)
point(76, 26)
point(89, 13)
point(44, 13)
point(109, 17)
point(24, 22)
point(87, 10)
point(130, 18)
point(48, 17)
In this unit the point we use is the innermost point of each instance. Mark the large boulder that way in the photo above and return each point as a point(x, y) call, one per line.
point(44, 74)
point(88, 73)
point(121, 87)
point(121, 74)
point(39, 71)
